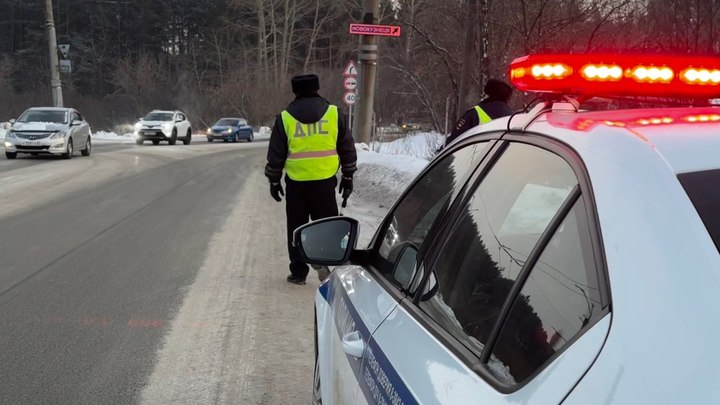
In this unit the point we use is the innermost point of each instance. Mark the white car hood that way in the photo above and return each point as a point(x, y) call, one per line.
point(155, 123)
point(38, 126)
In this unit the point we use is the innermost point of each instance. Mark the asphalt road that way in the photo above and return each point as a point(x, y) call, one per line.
point(149, 274)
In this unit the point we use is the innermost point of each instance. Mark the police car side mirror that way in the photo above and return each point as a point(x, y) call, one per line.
point(327, 242)
point(12, 121)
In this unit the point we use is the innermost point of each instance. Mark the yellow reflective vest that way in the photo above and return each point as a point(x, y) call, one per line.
point(482, 115)
point(312, 148)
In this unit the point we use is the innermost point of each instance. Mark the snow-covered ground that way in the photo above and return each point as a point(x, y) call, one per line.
point(422, 145)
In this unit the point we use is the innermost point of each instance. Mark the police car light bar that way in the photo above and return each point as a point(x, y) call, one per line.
point(618, 75)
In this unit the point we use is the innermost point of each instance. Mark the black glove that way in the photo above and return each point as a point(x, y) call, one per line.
point(346, 187)
point(276, 191)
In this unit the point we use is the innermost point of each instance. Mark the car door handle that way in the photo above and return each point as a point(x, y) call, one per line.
point(353, 344)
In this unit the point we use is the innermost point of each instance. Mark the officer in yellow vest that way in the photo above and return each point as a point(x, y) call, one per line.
point(311, 142)
point(494, 105)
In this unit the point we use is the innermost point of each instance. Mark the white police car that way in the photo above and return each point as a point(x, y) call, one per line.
point(555, 256)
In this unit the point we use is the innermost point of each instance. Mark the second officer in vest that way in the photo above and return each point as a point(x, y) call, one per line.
point(494, 105)
point(311, 142)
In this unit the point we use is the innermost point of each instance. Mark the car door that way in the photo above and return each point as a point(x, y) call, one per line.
point(356, 299)
point(184, 125)
point(514, 309)
point(243, 128)
point(74, 130)
point(83, 129)
point(406, 235)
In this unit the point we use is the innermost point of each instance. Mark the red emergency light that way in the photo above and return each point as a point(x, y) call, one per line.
point(618, 75)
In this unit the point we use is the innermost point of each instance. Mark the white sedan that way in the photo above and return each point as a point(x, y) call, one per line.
point(556, 256)
point(48, 130)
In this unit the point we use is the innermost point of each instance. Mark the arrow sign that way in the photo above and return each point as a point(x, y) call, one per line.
point(350, 69)
point(350, 83)
point(349, 98)
point(372, 29)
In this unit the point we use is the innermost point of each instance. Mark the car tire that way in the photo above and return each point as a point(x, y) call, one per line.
point(210, 140)
point(173, 137)
point(11, 155)
point(250, 138)
point(235, 138)
point(188, 137)
point(156, 142)
point(68, 150)
point(226, 140)
point(139, 142)
point(88, 148)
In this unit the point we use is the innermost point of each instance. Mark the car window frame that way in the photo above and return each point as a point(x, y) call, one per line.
point(584, 191)
point(373, 251)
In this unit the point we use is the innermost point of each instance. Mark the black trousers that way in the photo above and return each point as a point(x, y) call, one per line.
point(305, 200)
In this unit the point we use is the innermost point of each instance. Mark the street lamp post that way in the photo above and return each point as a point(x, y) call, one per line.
point(55, 83)
point(367, 67)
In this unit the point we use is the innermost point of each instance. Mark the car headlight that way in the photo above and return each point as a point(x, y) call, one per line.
point(58, 135)
point(209, 131)
point(229, 131)
point(8, 145)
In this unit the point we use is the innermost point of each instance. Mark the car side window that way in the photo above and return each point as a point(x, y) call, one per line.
point(559, 298)
point(491, 240)
point(413, 217)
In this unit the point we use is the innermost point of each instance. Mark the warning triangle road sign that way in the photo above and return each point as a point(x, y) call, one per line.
point(64, 48)
point(350, 69)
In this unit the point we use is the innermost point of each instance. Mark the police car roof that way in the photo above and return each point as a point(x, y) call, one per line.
point(687, 138)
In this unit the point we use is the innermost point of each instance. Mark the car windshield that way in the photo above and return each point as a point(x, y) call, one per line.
point(159, 116)
point(227, 122)
point(703, 188)
point(54, 116)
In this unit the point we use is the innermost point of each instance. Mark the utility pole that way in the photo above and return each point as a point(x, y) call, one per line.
point(367, 67)
point(55, 84)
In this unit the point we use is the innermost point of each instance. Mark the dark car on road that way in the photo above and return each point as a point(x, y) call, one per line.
point(230, 129)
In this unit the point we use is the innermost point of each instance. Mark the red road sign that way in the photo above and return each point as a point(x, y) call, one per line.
point(350, 69)
point(371, 29)
point(350, 83)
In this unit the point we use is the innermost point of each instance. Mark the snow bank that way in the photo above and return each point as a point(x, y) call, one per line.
point(263, 133)
point(112, 137)
point(421, 145)
point(4, 126)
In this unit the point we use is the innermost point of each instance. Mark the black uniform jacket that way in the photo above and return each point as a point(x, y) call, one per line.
point(495, 109)
point(308, 109)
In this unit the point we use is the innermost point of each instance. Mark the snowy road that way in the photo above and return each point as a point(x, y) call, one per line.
point(149, 274)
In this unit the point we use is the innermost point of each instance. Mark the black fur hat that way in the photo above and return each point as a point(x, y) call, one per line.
point(497, 90)
point(305, 84)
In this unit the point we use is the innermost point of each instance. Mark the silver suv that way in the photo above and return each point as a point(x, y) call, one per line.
point(48, 130)
point(163, 126)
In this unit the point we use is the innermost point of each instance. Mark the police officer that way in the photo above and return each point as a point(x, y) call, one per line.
point(494, 105)
point(310, 140)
